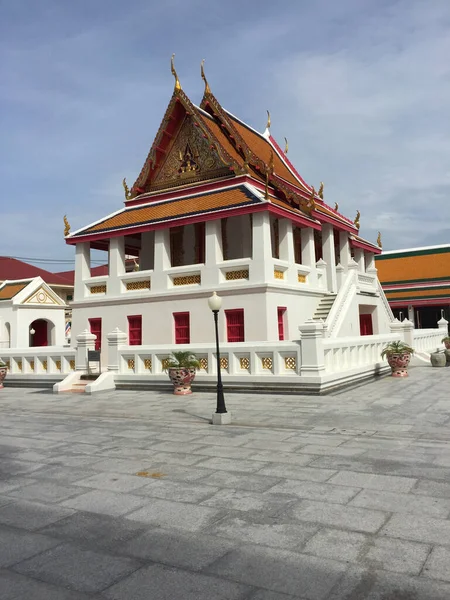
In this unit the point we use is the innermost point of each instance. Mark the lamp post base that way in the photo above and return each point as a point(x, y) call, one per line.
point(221, 418)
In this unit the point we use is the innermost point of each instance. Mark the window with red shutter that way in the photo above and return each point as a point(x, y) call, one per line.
point(182, 329)
point(95, 326)
point(365, 324)
point(235, 325)
point(281, 312)
point(135, 330)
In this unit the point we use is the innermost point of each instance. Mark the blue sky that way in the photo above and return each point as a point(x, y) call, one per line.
point(361, 88)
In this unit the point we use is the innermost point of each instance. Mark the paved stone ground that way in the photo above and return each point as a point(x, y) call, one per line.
point(337, 497)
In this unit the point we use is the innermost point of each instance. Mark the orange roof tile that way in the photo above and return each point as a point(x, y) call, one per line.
point(435, 292)
point(413, 268)
point(174, 209)
point(9, 290)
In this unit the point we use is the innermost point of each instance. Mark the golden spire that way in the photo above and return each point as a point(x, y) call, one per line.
point(320, 192)
point(336, 206)
point(66, 226)
point(286, 147)
point(312, 201)
point(268, 120)
point(128, 194)
point(356, 221)
point(202, 71)
point(379, 244)
point(174, 73)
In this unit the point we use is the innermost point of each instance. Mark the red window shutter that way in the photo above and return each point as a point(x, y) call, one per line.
point(235, 325)
point(135, 330)
point(182, 328)
point(365, 324)
point(281, 311)
point(96, 328)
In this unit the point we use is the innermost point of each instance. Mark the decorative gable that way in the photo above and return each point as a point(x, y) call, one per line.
point(41, 297)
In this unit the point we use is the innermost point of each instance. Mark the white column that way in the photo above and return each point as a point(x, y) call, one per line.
point(408, 332)
point(262, 262)
point(116, 339)
point(329, 256)
point(82, 269)
point(85, 342)
point(116, 265)
point(213, 252)
point(344, 249)
point(359, 258)
point(246, 236)
point(147, 253)
point(370, 262)
point(411, 313)
point(287, 249)
point(162, 259)
point(309, 253)
point(313, 355)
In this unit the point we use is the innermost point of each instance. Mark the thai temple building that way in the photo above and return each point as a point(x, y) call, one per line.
point(219, 207)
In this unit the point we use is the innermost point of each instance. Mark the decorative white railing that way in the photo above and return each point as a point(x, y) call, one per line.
point(343, 298)
point(428, 340)
point(367, 281)
point(342, 354)
point(242, 359)
point(45, 360)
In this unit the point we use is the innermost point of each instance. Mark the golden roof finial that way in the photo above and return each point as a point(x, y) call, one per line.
point(320, 192)
point(312, 201)
point(202, 71)
point(128, 194)
point(286, 147)
point(379, 244)
point(174, 73)
point(66, 226)
point(336, 206)
point(356, 221)
point(268, 120)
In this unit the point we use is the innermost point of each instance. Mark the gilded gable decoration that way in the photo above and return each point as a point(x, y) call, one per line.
point(41, 296)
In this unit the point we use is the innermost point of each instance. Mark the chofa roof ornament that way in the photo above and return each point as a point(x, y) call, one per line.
point(174, 73)
point(379, 244)
point(356, 221)
point(202, 71)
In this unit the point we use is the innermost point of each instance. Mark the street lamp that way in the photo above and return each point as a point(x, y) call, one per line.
point(32, 331)
point(221, 416)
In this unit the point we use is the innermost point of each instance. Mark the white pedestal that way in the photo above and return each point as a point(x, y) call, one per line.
point(221, 418)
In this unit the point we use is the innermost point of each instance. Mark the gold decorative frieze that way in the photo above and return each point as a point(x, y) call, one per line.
point(8, 364)
point(301, 278)
point(148, 364)
point(224, 363)
point(19, 365)
point(187, 279)
point(130, 363)
point(98, 289)
point(58, 365)
point(244, 363)
point(203, 364)
point(72, 365)
point(32, 365)
point(138, 285)
point(290, 362)
point(233, 275)
point(278, 274)
point(44, 365)
point(165, 363)
point(267, 362)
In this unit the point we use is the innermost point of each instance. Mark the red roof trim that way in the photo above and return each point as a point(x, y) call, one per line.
point(365, 246)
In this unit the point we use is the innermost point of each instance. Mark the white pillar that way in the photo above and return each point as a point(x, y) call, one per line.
point(116, 265)
point(213, 252)
point(329, 255)
point(309, 253)
point(116, 339)
point(313, 355)
point(340, 274)
point(147, 253)
point(287, 253)
point(370, 262)
point(162, 259)
point(408, 332)
point(85, 342)
point(443, 326)
point(344, 249)
point(82, 269)
point(359, 258)
point(262, 262)
point(411, 313)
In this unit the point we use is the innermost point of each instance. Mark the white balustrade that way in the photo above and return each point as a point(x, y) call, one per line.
point(43, 360)
point(427, 340)
point(342, 354)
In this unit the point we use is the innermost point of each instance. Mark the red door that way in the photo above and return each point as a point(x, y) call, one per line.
point(182, 328)
point(39, 338)
point(96, 329)
point(281, 312)
point(365, 324)
point(135, 330)
point(235, 325)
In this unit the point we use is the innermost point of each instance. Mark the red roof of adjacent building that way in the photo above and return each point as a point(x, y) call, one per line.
point(12, 269)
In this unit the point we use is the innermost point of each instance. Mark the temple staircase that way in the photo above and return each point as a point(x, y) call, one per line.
point(79, 387)
point(324, 307)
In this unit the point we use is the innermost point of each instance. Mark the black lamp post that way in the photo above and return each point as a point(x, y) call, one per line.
point(214, 303)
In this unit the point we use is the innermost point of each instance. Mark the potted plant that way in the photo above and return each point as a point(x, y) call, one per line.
point(398, 355)
point(446, 342)
point(182, 367)
point(3, 371)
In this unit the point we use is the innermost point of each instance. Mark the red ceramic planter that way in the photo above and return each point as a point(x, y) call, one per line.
point(181, 379)
point(3, 371)
point(399, 364)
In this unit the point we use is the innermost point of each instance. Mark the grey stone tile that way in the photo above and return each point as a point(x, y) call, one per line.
point(168, 583)
point(388, 585)
point(247, 501)
point(280, 571)
point(179, 472)
point(77, 568)
point(340, 545)
point(421, 529)
point(16, 545)
point(19, 467)
point(31, 515)
point(296, 472)
point(438, 564)
point(64, 474)
point(287, 458)
point(14, 586)
point(426, 487)
point(184, 447)
point(14, 483)
point(116, 482)
point(176, 515)
point(45, 491)
point(332, 451)
point(396, 555)
point(315, 491)
point(374, 482)
point(187, 551)
point(225, 452)
point(251, 483)
point(274, 445)
point(121, 465)
point(233, 465)
point(267, 533)
point(268, 595)
point(177, 491)
point(105, 502)
point(346, 517)
point(404, 503)
point(176, 458)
